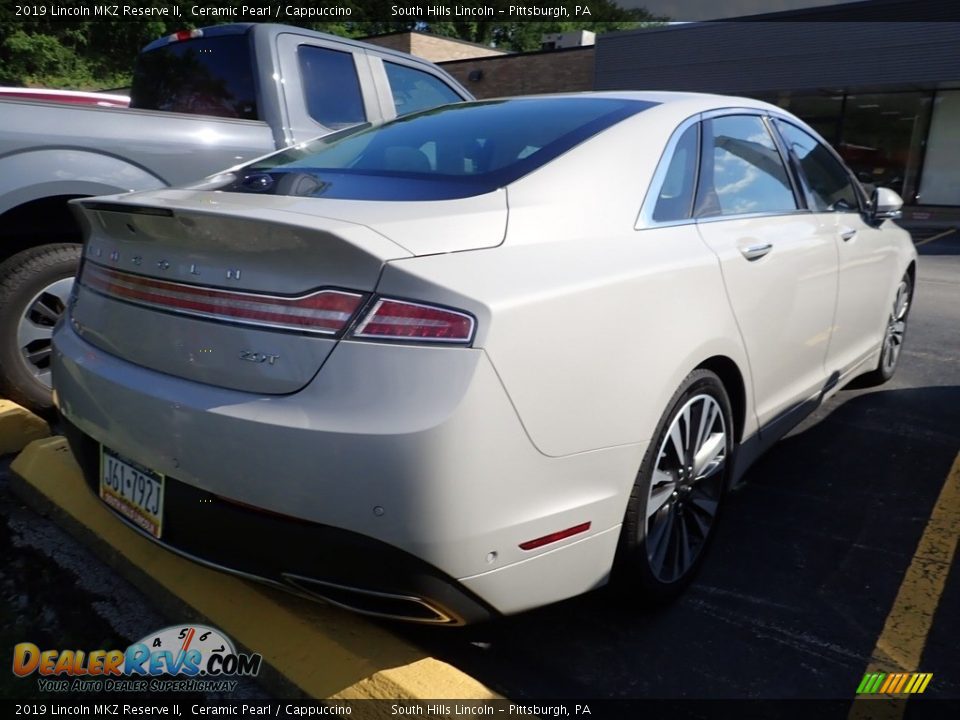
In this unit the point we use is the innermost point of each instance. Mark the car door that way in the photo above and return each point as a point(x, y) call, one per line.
point(778, 265)
point(867, 256)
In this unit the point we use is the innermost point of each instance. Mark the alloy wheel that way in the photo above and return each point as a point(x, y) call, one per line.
point(35, 330)
point(896, 327)
point(686, 487)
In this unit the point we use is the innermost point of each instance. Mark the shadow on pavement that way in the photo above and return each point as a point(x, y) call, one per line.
point(804, 569)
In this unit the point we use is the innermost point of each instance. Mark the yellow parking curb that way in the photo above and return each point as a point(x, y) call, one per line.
point(19, 427)
point(313, 650)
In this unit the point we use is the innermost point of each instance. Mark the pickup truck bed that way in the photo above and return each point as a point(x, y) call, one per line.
point(201, 101)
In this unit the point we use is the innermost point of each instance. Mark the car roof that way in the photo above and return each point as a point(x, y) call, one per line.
point(705, 101)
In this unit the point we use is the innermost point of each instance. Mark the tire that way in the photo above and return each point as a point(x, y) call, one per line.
point(893, 336)
point(661, 551)
point(34, 286)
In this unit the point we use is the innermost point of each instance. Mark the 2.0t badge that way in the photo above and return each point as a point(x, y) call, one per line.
point(257, 357)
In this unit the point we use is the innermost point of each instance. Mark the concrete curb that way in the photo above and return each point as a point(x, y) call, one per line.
point(312, 650)
point(19, 427)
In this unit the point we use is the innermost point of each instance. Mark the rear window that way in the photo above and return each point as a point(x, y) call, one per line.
point(449, 152)
point(203, 76)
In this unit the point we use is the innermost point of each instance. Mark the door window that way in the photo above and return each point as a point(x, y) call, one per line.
point(331, 86)
point(741, 170)
point(829, 184)
point(415, 90)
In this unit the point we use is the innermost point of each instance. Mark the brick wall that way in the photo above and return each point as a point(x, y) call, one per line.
point(526, 73)
point(432, 47)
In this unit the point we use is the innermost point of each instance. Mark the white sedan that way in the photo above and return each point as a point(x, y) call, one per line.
point(478, 359)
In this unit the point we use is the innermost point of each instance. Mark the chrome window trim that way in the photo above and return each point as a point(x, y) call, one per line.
point(747, 216)
point(645, 219)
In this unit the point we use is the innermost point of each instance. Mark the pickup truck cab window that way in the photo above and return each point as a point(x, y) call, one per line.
point(414, 90)
point(203, 76)
point(331, 87)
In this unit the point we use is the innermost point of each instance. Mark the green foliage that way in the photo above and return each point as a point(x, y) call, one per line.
point(98, 54)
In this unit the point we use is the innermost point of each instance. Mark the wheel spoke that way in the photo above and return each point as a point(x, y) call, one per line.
point(676, 439)
point(708, 416)
point(708, 458)
point(699, 502)
point(41, 308)
point(61, 290)
point(658, 536)
point(700, 521)
point(39, 356)
point(660, 491)
point(29, 332)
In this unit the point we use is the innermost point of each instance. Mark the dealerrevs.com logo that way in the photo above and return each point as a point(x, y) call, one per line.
point(192, 658)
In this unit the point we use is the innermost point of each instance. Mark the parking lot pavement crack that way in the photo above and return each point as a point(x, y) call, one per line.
point(801, 641)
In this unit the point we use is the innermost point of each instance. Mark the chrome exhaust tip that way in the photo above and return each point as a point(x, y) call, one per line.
point(371, 602)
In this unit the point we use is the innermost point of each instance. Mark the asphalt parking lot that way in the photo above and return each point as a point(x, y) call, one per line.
point(822, 567)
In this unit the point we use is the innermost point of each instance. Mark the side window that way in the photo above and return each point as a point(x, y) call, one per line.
point(415, 90)
point(675, 201)
point(829, 183)
point(741, 170)
point(331, 86)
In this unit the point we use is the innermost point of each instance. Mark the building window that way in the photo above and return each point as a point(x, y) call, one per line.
point(882, 139)
point(940, 184)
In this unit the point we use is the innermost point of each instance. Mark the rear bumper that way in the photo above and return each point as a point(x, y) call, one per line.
point(357, 571)
point(399, 470)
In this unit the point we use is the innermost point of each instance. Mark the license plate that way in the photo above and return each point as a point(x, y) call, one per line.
point(132, 490)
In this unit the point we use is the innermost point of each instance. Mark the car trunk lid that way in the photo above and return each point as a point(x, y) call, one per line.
point(215, 290)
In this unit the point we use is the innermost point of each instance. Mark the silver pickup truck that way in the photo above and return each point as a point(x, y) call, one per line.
point(201, 101)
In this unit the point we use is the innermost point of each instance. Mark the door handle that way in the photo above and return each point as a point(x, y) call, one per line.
point(755, 252)
point(847, 234)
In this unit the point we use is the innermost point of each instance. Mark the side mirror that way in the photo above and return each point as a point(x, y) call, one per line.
point(885, 204)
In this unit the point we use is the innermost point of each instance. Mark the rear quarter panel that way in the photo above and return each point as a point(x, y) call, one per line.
point(590, 324)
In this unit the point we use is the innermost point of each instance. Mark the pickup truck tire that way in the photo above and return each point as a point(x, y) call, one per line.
point(34, 285)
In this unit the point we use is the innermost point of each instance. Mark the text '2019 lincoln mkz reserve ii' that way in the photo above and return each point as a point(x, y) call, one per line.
point(478, 359)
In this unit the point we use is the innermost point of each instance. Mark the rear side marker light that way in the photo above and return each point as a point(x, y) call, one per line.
point(402, 320)
point(555, 537)
point(326, 312)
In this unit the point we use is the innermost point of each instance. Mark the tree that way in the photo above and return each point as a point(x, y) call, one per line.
point(98, 54)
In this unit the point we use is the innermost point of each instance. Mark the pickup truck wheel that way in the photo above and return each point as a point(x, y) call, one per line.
point(34, 287)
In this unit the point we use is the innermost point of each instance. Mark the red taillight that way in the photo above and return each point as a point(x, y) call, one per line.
point(555, 537)
point(325, 312)
point(402, 320)
point(182, 35)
